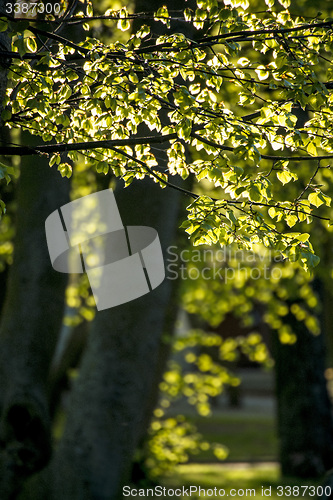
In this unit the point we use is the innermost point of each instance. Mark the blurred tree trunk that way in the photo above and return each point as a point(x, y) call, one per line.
point(30, 323)
point(30, 319)
point(117, 387)
point(305, 425)
point(118, 373)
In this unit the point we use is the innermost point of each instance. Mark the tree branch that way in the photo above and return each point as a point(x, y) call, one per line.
point(131, 141)
point(84, 146)
point(265, 157)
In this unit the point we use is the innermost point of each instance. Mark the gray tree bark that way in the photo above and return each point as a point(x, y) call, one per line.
point(29, 328)
point(116, 389)
point(118, 371)
point(115, 392)
point(29, 321)
point(305, 424)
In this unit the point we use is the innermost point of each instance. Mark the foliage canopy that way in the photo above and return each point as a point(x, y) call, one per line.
point(119, 103)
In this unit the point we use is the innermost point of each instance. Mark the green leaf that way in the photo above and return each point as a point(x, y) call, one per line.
point(2, 207)
point(123, 24)
point(20, 45)
point(291, 220)
point(262, 73)
point(285, 3)
point(31, 44)
point(162, 15)
point(3, 24)
point(327, 199)
point(6, 115)
point(90, 11)
point(184, 129)
point(311, 149)
point(231, 216)
point(272, 212)
point(316, 199)
point(65, 93)
point(143, 31)
point(254, 193)
point(103, 168)
point(188, 14)
point(65, 170)
point(285, 176)
point(6, 172)
point(303, 237)
point(55, 159)
point(309, 259)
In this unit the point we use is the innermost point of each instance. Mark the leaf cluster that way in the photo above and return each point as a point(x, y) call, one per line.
point(117, 102)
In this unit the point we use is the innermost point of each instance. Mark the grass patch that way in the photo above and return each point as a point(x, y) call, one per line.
point(248, 437)
point(246, 481)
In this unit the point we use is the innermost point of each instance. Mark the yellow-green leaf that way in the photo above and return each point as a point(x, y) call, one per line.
point(65, 170)
point(311, 149)
point(3, 24)
point(30, 44)
point(123, 24)
point(315, 199)
point(291, 220)
point(285, 176)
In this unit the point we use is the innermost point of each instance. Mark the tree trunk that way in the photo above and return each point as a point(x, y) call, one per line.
point(30, 323)
point(116, 390)
point(118, 372)
point(305, 424)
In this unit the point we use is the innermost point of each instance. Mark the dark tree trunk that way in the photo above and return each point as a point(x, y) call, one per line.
point(305, 425)
point(117, 376)
point(116, 390)
point(30, 323)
